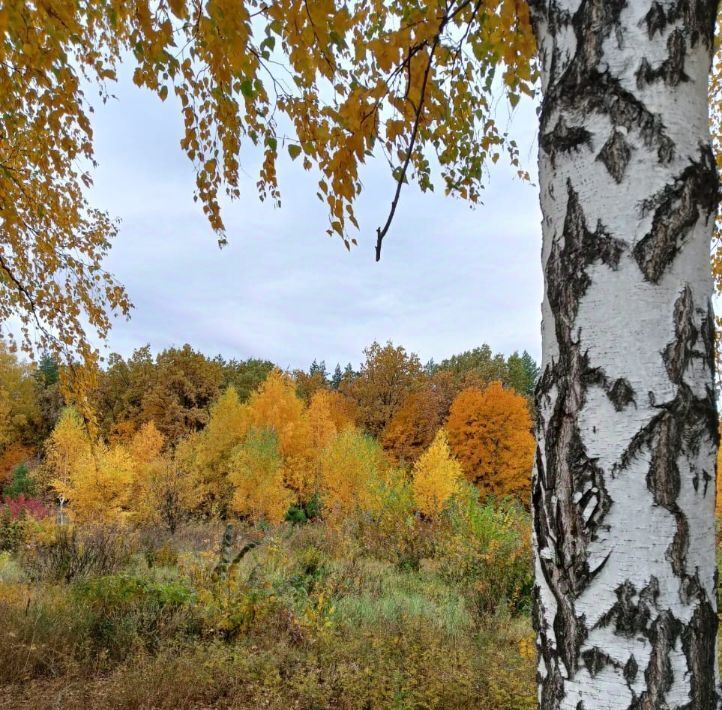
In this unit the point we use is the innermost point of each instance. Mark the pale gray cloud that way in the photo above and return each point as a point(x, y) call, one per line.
point(450, 278)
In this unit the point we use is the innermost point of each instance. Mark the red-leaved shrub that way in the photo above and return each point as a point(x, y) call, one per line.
point(33, 507)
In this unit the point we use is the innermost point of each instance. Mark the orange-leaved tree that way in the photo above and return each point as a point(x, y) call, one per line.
point(387, 375)
point(275, 405)
point(490, 433)
point(413, 426)
point(330, 406)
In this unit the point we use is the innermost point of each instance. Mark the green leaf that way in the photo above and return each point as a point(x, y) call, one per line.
point(247, 88)
point(294, 151)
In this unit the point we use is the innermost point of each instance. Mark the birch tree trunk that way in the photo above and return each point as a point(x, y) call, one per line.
point(624, 489)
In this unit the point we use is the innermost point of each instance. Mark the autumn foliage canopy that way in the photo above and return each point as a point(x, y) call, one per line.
point(395, 434)
point(490, 433)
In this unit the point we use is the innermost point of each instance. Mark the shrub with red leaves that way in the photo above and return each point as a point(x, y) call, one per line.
point(22, 506)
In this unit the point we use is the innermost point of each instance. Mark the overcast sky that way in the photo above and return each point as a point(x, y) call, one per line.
point(450, 278)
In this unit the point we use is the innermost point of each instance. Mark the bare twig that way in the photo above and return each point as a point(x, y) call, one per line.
point(381, 231)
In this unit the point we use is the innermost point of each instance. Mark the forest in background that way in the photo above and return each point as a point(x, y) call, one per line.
point(241, 536)
point(203, 424)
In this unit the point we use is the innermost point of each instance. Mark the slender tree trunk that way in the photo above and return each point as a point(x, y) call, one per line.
point(624, 488)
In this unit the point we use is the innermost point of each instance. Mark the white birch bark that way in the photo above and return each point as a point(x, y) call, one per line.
point(624, 485)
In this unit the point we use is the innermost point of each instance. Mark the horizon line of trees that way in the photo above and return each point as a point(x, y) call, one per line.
point(243, 437)
point(176, 387)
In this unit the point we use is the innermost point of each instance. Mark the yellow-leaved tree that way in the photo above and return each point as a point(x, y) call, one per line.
point(163, 491)
point(100, 487)
point(328, 414)
point(353, 471)
point(66, 450)
point(207, 453)
point(436, 476)
point(146, 445)
point(256, 472)
point(97, 481)
point(276, 406)
point(18, 403)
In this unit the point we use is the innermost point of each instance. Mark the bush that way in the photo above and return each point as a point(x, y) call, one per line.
point(304, 512)
point(88, 626)
point(157, 547)
point(20, 483)
point(73, 553)
point(352, 669)
point(130, 612)
point(21, 506)
point(14, 514)
point(11, 530)
point(10, 571)
point(43, 634)
point(486, 551)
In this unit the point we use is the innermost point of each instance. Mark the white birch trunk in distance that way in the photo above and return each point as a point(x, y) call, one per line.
point(624, 489)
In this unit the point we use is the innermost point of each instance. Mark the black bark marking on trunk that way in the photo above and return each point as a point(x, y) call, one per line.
point(630, 670)
point(595, 660)
point(678, 354)
point(570, 495)
point(696, 16)
point(676, 208)
point(698, 643)
point(707, 332)
point(584, 84)
point(615, 155)
point(566, 267)
point(564, 139)
point(671, 70)
point(619, 392)
point(631, 613)
point(656, 19)
point(663, 634)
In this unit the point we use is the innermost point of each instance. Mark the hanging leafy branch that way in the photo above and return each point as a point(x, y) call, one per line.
point(330, 82)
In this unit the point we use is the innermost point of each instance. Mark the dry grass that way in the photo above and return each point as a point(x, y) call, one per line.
point(313, 618)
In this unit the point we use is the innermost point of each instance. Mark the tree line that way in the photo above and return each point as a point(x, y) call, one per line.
point(183, 434)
